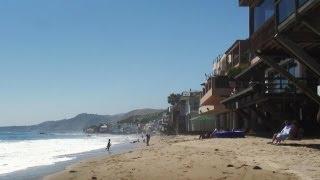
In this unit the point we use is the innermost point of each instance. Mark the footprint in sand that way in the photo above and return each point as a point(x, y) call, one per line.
point(257, 167)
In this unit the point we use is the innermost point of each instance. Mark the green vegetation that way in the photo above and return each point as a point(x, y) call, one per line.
point(174, 98)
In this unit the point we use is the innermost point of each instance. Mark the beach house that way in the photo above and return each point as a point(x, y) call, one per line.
point(281, 81)
point(186, 106)
point(219, 85)
point(189, 107)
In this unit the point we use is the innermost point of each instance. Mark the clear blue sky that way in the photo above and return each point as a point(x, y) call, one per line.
point(64, 57)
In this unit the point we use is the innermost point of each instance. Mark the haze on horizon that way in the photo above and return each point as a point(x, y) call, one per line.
point(61, 58)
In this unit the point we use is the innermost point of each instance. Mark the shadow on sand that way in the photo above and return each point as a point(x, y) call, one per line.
point(312, 146)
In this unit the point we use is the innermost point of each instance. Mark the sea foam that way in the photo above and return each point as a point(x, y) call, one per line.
point(19, 155)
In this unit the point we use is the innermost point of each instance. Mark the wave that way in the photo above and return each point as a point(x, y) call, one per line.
point(19, 155)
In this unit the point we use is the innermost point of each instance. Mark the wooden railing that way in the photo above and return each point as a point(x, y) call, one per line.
point(280, 85)
point(264, 89)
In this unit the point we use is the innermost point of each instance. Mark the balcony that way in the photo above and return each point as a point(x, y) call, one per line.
point(298, 21)
point(213, 109)
point(286, 9)
point(269, 18)
point(215, 89)
point(262, 39)
point(236, 57)
point(271, 88)
point(238, 54)
point(308, 12)
point(213, 96)
point(206, 97)
point(262, 28)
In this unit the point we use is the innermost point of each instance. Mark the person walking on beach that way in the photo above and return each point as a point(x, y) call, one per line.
point(148, 138)
point(109, 145)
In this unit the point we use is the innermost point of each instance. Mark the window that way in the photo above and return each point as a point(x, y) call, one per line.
point(276, 83)
point(263, 12)
point(292, 69)
point(301, 2)
point(286, 8)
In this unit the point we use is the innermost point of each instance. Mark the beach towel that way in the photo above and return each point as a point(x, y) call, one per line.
point(229, 134)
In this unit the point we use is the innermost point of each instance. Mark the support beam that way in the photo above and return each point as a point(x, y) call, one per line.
point(244, 114)
point(309, 26)
point(299, 53)
point(266, 121)
point(291, 78)
point(260, 114)
point(318, 116)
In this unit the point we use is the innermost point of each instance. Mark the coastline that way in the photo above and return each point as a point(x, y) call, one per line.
point(39, 172)
point(186, 157)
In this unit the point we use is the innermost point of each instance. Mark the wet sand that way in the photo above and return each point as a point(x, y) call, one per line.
point(186, 157)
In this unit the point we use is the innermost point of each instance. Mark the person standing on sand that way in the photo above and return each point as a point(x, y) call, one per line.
point(148, 138)
point(109, 145)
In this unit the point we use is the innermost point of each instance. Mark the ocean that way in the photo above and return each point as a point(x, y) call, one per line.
point(24, 150)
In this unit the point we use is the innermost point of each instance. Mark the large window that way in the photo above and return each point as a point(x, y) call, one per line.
point(277, 83)
point(301, 2)
point(286, 8)
point(262, 13)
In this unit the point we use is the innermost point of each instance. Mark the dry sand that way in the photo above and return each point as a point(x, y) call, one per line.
point(186, 157)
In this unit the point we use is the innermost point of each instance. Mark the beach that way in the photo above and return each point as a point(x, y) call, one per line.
point(186, 157)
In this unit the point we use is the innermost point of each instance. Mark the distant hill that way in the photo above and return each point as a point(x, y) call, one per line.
point(140, 112)
point(79, 122)
point(142, 118)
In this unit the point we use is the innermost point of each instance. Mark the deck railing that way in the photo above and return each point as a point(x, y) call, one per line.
point(280, 85)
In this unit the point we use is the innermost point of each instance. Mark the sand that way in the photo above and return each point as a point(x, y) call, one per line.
point(186, 157)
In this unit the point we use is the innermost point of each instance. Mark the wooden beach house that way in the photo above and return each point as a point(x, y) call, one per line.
point(284, 72)
point(220, 85)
